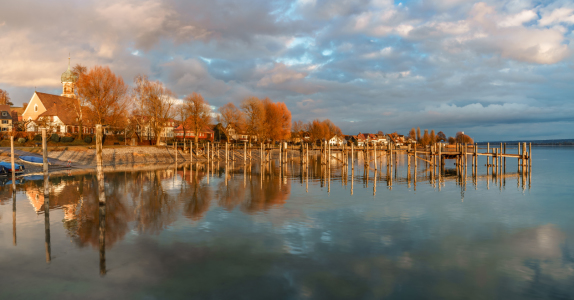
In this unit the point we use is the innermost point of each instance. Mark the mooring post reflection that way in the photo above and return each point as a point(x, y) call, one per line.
point(101, 199)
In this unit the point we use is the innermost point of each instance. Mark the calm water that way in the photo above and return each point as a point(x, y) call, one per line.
point(294, 235)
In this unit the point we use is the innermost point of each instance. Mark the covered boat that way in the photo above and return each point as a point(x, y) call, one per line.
point(8, 166)
point(35, 160)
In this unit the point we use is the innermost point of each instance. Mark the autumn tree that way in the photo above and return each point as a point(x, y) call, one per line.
point(451, 140)
point(254, 116)
point(413, 134)
point(199, 113)
point(325, 129)
point(277, 124)
point(5, 98)
point(463, 138)
point(418, 135)
point(105, 95)
point(426, 138)
point(432, 137)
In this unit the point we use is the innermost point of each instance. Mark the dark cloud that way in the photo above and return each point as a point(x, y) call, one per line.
point(367, 65)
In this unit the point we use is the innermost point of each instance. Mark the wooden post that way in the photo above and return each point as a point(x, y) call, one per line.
point(352, 157)
point(226, 152)
point(280, 154)
point(101, 200)
point(523, 156)
point(44, 150)
point(375, 152)
point(12, 160)
point(190, 152)
point(47, 214)
point(175, 148)
point(244, 153)
point(505, 158)
point(519, 162)
point(529, 156)
point(487, 157)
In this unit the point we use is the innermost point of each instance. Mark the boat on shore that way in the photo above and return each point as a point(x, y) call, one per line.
point(35, 160)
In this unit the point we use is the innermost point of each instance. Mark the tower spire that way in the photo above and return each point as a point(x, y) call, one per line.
point(68, 60)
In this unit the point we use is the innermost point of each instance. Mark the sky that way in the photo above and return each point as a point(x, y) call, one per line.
point(497, 70)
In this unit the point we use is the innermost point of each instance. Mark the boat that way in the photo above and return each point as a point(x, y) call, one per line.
point(8, 166)
point(35, 160)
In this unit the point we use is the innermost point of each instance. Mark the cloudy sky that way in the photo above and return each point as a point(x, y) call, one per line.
point(494, 69)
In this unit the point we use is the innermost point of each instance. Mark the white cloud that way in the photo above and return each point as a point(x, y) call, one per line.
point(518, 19)
point(559, 15)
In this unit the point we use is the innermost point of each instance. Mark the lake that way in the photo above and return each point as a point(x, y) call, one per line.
point(297, 232)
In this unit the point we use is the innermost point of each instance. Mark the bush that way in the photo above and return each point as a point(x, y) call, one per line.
point(67, 139)
point(21, 140)
point(38, 138)
point(88, 139)
point(55, 138)
point(120, 138)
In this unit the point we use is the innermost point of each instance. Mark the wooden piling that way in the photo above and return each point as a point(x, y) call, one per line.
point(44, 150)
point(12, 160)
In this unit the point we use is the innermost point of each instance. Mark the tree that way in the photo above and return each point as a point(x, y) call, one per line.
point(413, 134)
point(432, 137)
point(451, 140)
point(277, 122)
point(441, 137)
point(105, 94)
point(463, 138)
point(426, 138)
point(182, 113)
point(418, 134)
point(232, 116)
point(158, 107)
point(5, 98)
point(254, 116)
point(297, 130)
point(199, 113)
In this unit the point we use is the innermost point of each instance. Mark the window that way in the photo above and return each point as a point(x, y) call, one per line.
point(4, 129)
point(35, 107)
point(4, 121)
point(4, 113)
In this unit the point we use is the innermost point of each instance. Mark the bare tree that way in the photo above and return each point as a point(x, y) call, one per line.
point(159, 105)
point(199, 113)
point(254, 116)
point(79, 104)
point(182, 114)
point(231, 115)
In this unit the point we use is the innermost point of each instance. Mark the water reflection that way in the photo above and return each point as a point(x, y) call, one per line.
point(322, 242)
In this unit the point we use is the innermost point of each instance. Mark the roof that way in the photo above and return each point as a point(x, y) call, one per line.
point(5, 108)
point(59, 106)
point(207, 129)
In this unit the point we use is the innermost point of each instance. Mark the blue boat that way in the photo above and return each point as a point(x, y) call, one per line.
point(35, 160)
point(8, 166)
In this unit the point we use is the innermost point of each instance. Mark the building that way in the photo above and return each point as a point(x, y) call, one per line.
point(336, 140)
point(5, 118)
point(207, 134)
point(57, 113)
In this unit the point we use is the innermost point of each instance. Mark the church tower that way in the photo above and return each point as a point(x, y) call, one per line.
point(69, 82)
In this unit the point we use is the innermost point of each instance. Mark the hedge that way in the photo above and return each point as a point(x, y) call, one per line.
point(88, 139)
point(55, 138)
point(38, 138)
point(21, 140)
point(67, 139)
